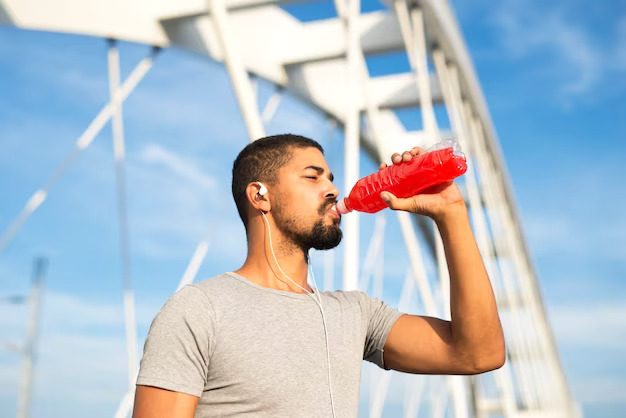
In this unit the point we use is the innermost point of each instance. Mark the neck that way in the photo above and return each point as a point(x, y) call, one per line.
point(273, 265)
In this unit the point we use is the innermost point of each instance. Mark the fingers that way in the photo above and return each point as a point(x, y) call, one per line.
point(397, 158)
point(416, 151)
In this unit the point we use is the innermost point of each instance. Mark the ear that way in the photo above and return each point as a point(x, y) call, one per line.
point(257, 200)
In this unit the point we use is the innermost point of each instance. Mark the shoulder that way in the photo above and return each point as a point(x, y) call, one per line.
point(216, 285)
point(202, 294)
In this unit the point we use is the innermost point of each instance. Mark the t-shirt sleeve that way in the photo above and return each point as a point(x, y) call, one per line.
point(180, 342)
point(380, 318)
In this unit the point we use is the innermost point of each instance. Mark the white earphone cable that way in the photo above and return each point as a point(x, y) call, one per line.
point(318, 301)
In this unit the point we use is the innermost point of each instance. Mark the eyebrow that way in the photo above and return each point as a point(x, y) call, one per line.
point(320, 171)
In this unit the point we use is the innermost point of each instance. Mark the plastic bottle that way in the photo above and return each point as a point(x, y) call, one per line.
point(441, 163)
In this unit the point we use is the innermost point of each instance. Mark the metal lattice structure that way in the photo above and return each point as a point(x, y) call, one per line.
point(323, 63)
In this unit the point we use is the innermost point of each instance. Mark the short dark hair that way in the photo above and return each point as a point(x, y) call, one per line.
point(260, 161)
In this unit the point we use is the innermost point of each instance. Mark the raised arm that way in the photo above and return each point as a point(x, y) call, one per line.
point(472, 341)
point(151, 402)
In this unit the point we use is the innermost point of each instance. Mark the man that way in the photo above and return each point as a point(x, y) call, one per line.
point(260, 342)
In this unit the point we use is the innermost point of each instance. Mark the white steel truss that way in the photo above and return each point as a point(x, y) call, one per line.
point(324, 63)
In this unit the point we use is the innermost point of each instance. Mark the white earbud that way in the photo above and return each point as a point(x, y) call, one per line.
point(262, 189)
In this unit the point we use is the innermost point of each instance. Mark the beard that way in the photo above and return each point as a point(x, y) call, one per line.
point(320, 236)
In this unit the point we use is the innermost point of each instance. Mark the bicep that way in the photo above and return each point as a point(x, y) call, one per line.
point(422, 344)
point(152, 402)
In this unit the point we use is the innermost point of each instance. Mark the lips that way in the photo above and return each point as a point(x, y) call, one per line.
point(333, 211)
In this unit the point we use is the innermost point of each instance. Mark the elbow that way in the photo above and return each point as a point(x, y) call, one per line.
point(487, 364)
point(489, 358)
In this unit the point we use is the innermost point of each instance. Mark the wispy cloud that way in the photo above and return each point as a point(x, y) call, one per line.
point(553, 234)
point(572, 324)
point(185, 168)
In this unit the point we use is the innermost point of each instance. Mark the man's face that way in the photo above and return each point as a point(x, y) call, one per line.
point(303, 201)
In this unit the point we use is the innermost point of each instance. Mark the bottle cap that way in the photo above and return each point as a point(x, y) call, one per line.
point(341, 207)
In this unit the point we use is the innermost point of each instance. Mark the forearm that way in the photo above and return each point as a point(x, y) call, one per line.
point(475, 326)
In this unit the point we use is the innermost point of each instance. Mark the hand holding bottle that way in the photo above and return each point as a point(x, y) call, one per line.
point(434, 202)
point(419, 181)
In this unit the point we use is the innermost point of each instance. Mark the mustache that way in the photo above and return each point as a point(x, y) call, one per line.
point(326, 205)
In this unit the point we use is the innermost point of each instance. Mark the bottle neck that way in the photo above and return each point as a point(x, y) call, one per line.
point(343, 206)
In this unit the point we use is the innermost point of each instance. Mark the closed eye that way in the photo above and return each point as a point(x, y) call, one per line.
point(311, 177)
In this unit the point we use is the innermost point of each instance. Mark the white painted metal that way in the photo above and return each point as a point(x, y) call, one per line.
point(194, 264)
point(377, 400)
point(126, 404)
point(502, 376)
point(271, 107)
point(329, 270)
point(418, 56)
point(32, 336)
point(415, 389)
point(120, 181)
point(350, 15)
point(236, 70)
point(477, 216)
point(455, 111)
point(373, 254)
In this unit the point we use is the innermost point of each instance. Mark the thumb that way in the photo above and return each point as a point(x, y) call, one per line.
point(396, 203)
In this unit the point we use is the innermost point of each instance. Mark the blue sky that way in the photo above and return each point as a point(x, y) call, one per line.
point(553, 76)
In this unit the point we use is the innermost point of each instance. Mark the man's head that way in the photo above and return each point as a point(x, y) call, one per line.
point(300, 189)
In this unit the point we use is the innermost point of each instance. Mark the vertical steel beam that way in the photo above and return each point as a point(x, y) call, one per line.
point(452, 97)
point(521, 329)
point(374, 252)
point(503, 375)
point(32, 336)
point(238, 75)
point(352, 135)
point(377, 403)
point(120, 181)
point(194, 264)
point(551, 372)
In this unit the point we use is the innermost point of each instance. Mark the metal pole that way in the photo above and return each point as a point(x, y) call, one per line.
point(419, 53)
point(32, 337)
point(377, 403)
point(351, 155)
point(271, 106)
point(194, 264)
point(117, 125)
point(519, 329)
point(452, 96)
point(374, 252)
point(503, 375)
point(238, 75)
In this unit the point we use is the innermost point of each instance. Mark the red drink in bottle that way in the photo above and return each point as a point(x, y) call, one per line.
point(406, 179)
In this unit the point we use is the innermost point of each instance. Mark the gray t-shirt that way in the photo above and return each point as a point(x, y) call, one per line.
point(247, 350)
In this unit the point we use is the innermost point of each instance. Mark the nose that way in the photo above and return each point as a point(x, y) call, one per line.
point(332, 192)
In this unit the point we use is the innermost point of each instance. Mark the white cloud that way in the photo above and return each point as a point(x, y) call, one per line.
point(550, 233)
point(600, 390)
point(183, 167)
point(177, 204)
point(595, 325)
